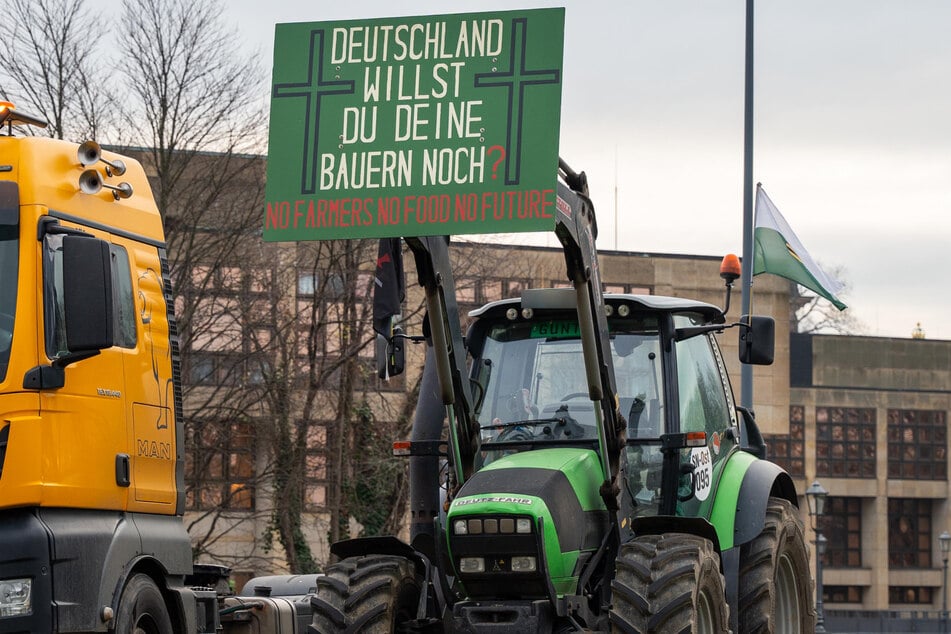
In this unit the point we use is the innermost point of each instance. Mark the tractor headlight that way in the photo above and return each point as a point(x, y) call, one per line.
point(492, 526)
point(468, 565)
point(15, 597)
point(524, 564)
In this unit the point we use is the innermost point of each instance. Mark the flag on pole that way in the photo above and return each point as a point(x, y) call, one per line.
point(777, 250)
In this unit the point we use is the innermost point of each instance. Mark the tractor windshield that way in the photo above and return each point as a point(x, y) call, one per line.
point(8, 291)
point(534, 390)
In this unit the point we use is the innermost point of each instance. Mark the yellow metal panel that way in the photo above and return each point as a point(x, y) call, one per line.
point(153, 463)
point(21, 477)
point(84, 430)
point(149, 387)
point(48, 173)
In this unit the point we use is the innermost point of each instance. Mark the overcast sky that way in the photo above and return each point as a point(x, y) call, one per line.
point(852, 129)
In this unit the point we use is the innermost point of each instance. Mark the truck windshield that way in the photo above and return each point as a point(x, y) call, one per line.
point(8, 292)
point(534, 386)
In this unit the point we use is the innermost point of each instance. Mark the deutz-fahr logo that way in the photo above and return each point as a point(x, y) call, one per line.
point(501, 498)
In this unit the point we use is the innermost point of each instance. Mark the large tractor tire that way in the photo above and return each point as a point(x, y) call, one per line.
point(142, 609)
point(775, 593)
point(371, 595)
point(668, 583)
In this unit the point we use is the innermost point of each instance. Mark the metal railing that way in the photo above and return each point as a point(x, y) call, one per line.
point(871, 621)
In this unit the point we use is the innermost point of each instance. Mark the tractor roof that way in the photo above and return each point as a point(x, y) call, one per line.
point(563, 298)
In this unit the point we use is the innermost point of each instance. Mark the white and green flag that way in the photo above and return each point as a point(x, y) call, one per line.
point(777, 250)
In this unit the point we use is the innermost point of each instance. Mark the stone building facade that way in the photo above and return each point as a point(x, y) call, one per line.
point(868, 418)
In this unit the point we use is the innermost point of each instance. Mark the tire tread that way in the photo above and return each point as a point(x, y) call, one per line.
point(658, 581)
point(364, 594)
point(782, 534)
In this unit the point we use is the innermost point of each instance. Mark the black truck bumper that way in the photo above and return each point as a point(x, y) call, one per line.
point(25, 554)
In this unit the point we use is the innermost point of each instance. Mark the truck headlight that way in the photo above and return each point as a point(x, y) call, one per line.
point(15, 597)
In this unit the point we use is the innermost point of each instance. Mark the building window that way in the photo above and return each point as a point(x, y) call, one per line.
point(514, 288)
point(306, 283)
point(219, 465)
point(842, 524)
point(789, 450)
point(315, 478)
point(201, 369)
point(467, 290)
point(629, 289)
point(909, 594)
point(909, 533)
point(492, 290)
point(845, 442)
point(917, 444)
point(842, 594)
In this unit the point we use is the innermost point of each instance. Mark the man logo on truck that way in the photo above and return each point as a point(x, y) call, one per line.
point(153, 449)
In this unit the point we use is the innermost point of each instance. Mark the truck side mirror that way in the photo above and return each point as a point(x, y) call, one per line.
point(757, 339)
point(87, 294)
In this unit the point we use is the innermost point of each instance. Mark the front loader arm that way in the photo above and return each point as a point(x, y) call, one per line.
point(576, 228)
point(435, 276)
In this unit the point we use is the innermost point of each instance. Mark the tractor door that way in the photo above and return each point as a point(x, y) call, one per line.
point(705, 401)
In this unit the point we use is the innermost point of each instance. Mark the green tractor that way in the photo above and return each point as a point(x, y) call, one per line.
point(599, 476)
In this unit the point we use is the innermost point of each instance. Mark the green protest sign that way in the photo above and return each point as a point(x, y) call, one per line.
point(415, 126)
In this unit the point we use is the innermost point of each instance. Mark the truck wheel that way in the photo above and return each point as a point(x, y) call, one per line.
point(775, 593)
point(668, 583)
point(372, 595)
point(142, 609)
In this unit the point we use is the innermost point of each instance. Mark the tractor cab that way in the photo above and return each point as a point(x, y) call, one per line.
point(531, 391)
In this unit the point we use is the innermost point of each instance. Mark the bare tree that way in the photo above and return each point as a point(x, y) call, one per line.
point(190, 91)
point(224, 297)
point(48, 62)
point(810, 313)
point(323, 384)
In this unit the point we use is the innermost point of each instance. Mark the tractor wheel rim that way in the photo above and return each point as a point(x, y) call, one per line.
point(788, 615)
point(705, 621)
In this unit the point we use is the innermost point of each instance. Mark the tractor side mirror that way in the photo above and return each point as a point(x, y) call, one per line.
point(390, 356)
point(757, 339)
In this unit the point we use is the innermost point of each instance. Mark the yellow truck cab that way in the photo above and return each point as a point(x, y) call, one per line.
point(91, 475)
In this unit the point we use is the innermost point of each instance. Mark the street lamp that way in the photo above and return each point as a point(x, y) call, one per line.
point(816, 498)
point(944, 541)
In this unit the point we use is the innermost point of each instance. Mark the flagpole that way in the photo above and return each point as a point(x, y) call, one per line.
point(746, 281)
point(616, 229)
